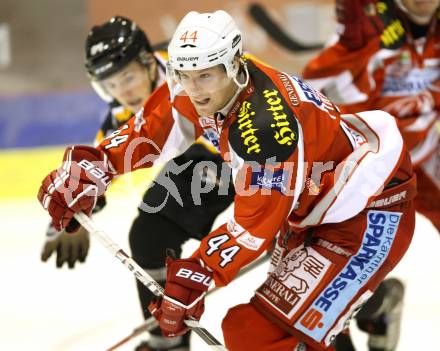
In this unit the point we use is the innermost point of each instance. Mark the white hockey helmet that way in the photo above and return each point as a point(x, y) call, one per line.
point(204, 40)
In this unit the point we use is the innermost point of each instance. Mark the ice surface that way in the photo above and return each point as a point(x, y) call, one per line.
point(95, 305)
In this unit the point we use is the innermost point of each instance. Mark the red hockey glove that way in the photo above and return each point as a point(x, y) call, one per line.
point(359, 22)
point(75, 186)
point(185, 290)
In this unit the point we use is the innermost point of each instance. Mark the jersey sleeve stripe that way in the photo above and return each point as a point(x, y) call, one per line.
point(180, 138)
point(356, 184)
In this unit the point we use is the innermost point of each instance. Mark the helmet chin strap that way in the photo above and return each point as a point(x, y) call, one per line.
point(246, 80)
point(240, 86)
point(416, 18)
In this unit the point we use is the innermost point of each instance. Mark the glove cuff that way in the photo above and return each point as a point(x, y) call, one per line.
point(188, 273)
point(88, 165)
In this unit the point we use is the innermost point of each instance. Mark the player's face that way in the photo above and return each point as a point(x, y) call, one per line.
point(208, 89)
point(421, 9)
point(130, 87)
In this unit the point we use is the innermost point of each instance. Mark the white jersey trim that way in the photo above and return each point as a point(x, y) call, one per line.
point(299, 181)
point(340, 88)
point(423, 149)
point(180, 138)
point(364, 172)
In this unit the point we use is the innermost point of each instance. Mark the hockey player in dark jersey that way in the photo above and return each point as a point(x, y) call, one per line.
point(125, 70)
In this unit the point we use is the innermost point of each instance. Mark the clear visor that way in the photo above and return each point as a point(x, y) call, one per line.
point(197, 83)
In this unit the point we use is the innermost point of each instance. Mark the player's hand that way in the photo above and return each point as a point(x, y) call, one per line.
point(185, 290)
point(75, 186)
point(359, 22)
point(70, 248)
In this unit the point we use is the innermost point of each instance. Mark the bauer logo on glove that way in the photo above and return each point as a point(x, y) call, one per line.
point(74, 187)
point(185, 290)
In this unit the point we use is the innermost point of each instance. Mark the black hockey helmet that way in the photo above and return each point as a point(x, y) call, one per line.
point(113, 45)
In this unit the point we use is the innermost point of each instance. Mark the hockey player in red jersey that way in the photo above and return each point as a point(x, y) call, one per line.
point(337, 188)
point(387, 58)
point(125, 70)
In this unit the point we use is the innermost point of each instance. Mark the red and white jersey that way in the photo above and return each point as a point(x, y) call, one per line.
point(293, 157)
point(394, 72)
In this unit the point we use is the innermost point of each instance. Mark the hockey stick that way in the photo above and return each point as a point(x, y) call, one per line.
point(151, 323)
point(142, 276)
point(259, 14)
